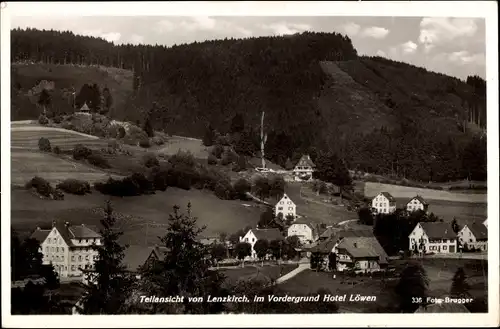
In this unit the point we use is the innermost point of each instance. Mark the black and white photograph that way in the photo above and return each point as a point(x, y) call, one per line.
point(335, 160)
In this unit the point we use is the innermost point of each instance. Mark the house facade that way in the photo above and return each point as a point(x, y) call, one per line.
point(286, 207)
point(383, 203)
point(306, 232)
point(433, 237)
point(474, 236)
point(253, 235)
point(304, 169)
point(68, 248)
point(417, 203)
point(361, 254)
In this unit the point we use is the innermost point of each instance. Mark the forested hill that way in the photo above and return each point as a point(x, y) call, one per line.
point(317, 94)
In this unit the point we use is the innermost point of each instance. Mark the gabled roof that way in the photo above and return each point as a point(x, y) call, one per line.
point(136, 256)
point(443, 308)
point(84, 108)
point(305, 161)
point(268, 234)
point(419, 198)
point(387, 195)
point(363, 247)
point(40, 235)
point(69, 232)
point(336, 235)
point(438, 230)
point(315, 227)
point(286, 197)
point(479, 230)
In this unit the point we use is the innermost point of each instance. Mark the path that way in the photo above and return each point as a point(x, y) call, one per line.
point(39, 128)
point(289, 275)
point(347, 221)
point(481, 256)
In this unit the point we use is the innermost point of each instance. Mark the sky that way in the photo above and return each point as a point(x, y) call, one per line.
point(453, 46)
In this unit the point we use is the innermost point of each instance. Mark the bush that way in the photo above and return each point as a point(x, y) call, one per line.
point(159, 178)
point(57, 119)
point(121, 132)
point(241, 187)
point(134, 185)
point(43, 120)
point(74, 186)
point(212, 159)
point(150, 160)
point(182, 158)
point(57, 150)
point(217, 151)
point(241, 164)
point(81, 152)
point(224, 190)
point(157, 140)
point(44, 145)
point(145, 143)
point(227, 158)
point(98, 161)
point(44, 188)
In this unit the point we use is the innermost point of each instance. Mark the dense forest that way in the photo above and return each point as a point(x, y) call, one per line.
point(381, 116)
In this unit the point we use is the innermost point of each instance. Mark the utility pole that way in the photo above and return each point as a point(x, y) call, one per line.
point(263, 139)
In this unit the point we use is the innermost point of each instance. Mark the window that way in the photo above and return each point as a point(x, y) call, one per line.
point(57, 249)
point(73, 257)
point(62, 249)
point(444, 247)
point(46, 249)
point(72, 267)
point(280, 208)
point(253, 239)
point(281, 202)
point(80, 258)
point(470, 240)
point(290, 208)
point(62, 257)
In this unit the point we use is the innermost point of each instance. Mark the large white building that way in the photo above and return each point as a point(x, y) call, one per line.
point(286, 207)
point(384, 203)
point(474, 236)
point(254, 235)
point(417, 203)
point(433, 237)
point(305, 231)
point(68, 247)
point(304, 169)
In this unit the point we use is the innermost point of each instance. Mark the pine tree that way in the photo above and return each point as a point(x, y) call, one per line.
point(459, 286)
point(413, 285)
point(109, 284)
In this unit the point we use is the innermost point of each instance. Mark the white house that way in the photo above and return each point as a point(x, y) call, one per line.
point(85, 108)
point(254, 235)
point(433, 237)
point(286, 207)
point(384, 203)
point(485, 223)
point(304, 169)
point(417, 203)
point(361, 254)
point(68, 247)
point(306, 232)
point(475, 236)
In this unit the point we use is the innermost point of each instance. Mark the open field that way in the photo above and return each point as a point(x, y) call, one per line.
point(176, 143)
point(26, 164)
point(28, 211)
point(372, 189)
point(271, 271)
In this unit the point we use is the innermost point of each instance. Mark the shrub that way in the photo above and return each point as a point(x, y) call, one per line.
point(224, 140)
point(241, 164)
point(182, 158)
point(241, 187)
point(121, 132)
point(67, 125)
point(74, 186)
point(44, 145)
point(133, 185)
point(57, 150)
point(159, 178)
point(224, 190)
point(182, 176)
point(145, 143)
point(217, 151)
point(226, 159)
point(212, 159)
point(43, 120)
point(81, 152)
point(44, 188)
point(150, 160)
point(57, 119)
point(98, 161)
point(157, 140)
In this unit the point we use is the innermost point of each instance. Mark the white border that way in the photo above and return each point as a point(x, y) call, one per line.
point(485, 9)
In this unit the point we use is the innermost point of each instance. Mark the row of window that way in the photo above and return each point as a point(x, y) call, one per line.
point(288, 202)
point(289, 208)
point(60, 268)
point(54, 249)
point(73, 258)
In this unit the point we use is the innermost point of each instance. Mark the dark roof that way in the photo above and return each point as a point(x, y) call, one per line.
point(443, 308)
point(305, 161)
point(363, 247)
point(336, 235)
point(479, 230)
point(419, 198)
point(136, 256)
point(328, 232)
point(40, 235)
point(388, 196)
point(69, 232)
point(267, 234)
point(438, 230)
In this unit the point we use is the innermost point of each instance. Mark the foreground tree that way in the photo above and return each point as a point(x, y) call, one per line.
point(261, 247)
point(109, 284)
point(183, 271)
point(459, 286)
point(242, 250)
point(412, 287)
point(218, 252)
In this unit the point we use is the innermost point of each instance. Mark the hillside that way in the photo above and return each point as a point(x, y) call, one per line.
point(382, 116)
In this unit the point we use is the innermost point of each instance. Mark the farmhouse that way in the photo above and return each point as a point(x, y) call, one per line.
point(253, 235)
point(306, 232)
point(68, 247)
point(363, 254)
point(384, 203)
point(474, 236)
point(435, 237)
point(304, 169)
point(417, 203)
point(286, 207)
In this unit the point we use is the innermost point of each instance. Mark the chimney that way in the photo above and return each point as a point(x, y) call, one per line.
point(66, 224)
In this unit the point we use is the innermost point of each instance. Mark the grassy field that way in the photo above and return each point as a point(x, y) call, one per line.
point(176, 143)
point(439, 271)
point(28, 211)
point(271, 271)
point(372, 189)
